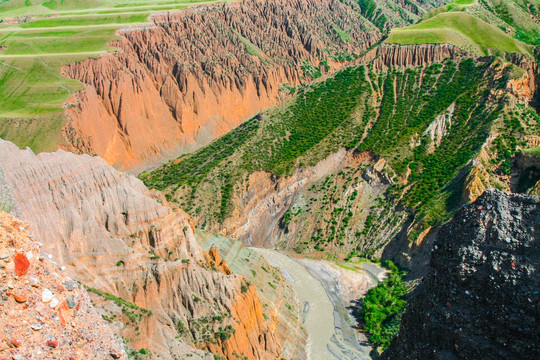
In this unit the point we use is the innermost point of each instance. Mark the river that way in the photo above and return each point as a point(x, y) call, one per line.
point(325, 293)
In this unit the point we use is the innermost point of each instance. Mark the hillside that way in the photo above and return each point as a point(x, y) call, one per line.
point(481, 28)
point(42, 108)
point(345, 177)
point(317, 179)
point(142, 262)
point(37, 38)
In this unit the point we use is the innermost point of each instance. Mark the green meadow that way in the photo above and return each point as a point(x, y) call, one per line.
point(462, 30)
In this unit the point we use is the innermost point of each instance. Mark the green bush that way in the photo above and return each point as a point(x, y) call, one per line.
point(383, 306)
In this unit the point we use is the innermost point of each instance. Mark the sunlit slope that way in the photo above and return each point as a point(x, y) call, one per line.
point(462, 30)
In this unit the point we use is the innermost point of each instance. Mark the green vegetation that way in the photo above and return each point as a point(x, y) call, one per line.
point(535, 151)
point(314, 115)
point(194, 168)
point(371, 12)
point(342, 34)
point(383, 307)
point(519, 15)
point(462, 30)
point(411, 110)
point(314, 125)
point(225, 333)
point(251, 48)
point(244, 287)
point(133, 316)
point(457, 5)
point(206, 329)
point(138, 355)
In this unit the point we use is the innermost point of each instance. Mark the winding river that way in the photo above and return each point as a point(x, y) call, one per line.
point(326, 318)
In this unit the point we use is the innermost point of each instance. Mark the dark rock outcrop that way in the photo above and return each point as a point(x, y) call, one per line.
point(480, 298)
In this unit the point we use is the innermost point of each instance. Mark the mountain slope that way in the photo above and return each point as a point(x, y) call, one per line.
point(407, 133)
point(482, 28)
point(138, 256)
point(162, 93)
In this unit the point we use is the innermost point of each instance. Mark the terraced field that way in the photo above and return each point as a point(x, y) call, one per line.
point(38, 37)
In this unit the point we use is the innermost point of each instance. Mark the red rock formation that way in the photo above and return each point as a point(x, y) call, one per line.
point(117, 236)
point(214, 259)
point(391, 55)
point(194, 75)
point(21, 264)
point(30, 327)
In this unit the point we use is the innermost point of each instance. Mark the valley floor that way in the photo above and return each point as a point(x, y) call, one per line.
point(326, 304)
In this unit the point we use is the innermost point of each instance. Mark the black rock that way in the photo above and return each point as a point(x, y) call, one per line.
point(482, 289)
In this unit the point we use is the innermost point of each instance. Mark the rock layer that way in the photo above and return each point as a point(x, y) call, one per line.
point(480, 297)
point(117, 236)
point(407, 56)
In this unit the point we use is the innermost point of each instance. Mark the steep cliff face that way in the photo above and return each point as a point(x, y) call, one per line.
point(280, 303)
point(193, 75)
point(45, 314)
point(294, 211)
point(116, 236)
point(480, 298)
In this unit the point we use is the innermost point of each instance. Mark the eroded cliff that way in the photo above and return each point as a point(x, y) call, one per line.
point(316, 174)
point(140, 257)
point(194, 75)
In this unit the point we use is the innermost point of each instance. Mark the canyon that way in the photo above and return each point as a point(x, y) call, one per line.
point(306, 189)
point(335, 188)
point(171, 88)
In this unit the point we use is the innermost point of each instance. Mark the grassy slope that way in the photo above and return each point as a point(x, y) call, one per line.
point(31, 86)
point(519, 18)
point(314, 125)
point(461, 29)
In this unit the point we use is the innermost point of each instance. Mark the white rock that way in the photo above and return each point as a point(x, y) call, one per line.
point(54, 303)
point(46, 295)
point(29, 255)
